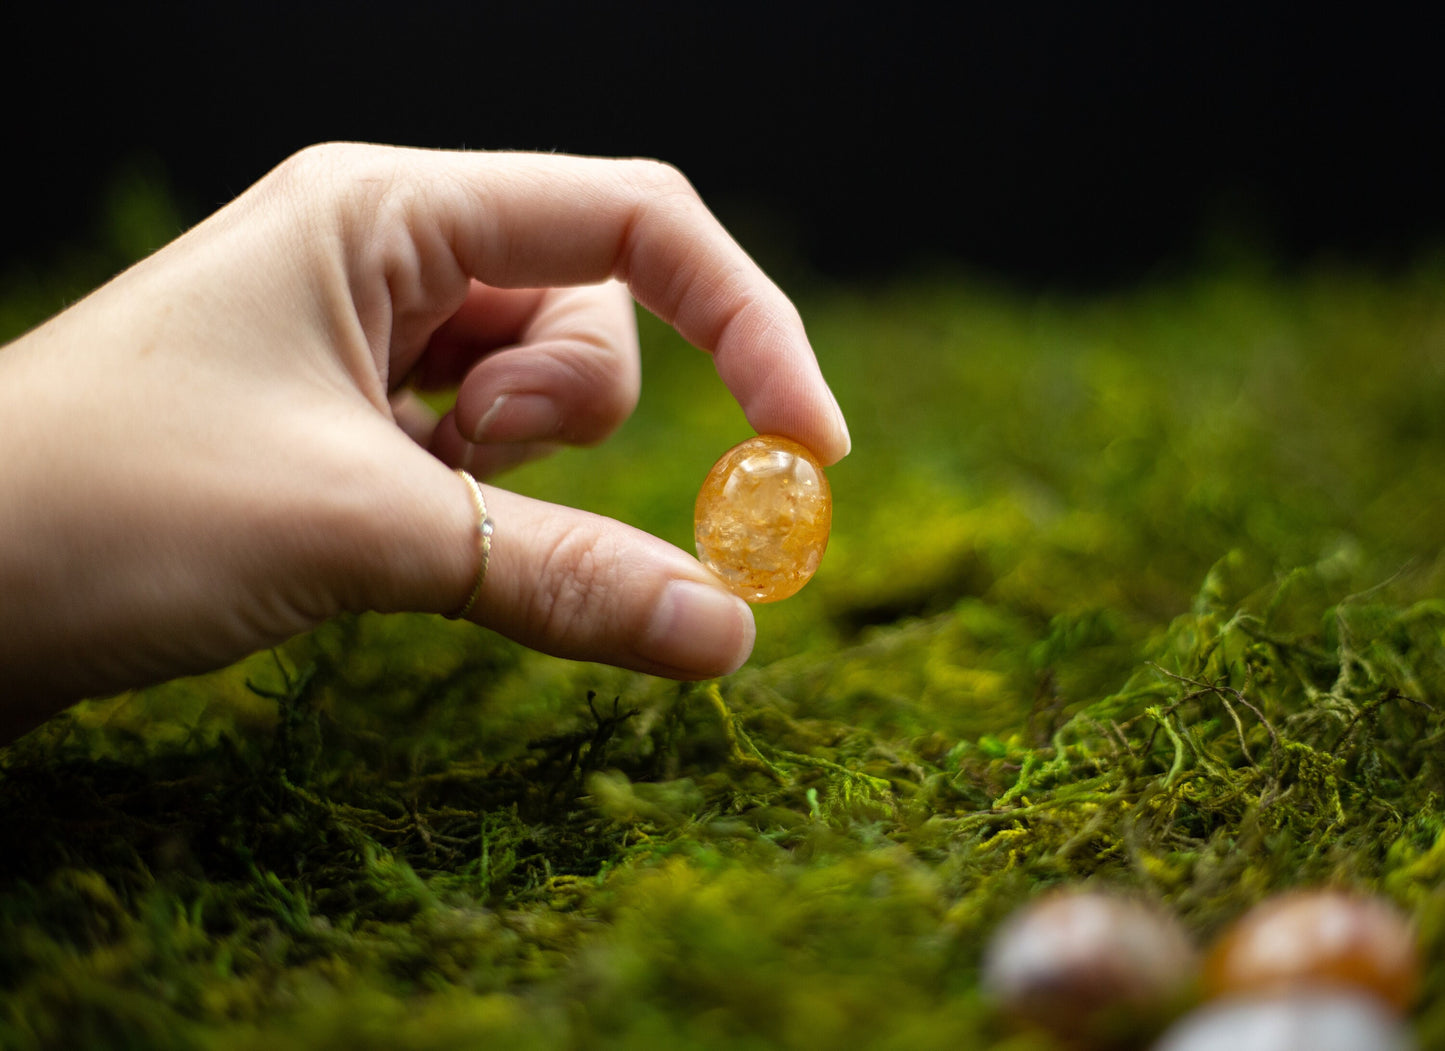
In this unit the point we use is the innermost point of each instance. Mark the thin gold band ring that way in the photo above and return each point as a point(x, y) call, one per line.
point(484, 543)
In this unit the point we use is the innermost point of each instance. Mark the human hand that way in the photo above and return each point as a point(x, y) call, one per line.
point(215, 451)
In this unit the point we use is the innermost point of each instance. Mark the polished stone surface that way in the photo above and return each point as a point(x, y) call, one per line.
point(1311, 939)
point(1088, 966)
point(762, 518)
point(1308, 1020)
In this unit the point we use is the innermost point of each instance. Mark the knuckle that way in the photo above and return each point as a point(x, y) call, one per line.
point(757, 315)
point(573, 585)
point(333, 169)
point(663, 206)
point(660, 179)
point(313, 163)
point(605, 395)
point(346, 190)
point(304, 185)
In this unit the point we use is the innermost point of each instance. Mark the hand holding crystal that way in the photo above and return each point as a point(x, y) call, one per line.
point(219, 449)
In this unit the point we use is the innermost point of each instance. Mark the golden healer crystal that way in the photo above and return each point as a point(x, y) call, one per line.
point(763, 517)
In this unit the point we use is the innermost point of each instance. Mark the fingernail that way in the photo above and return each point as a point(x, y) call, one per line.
point(699, 629)
point(842, 423)
point(519, 418)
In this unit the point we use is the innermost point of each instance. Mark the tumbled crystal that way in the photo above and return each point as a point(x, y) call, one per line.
point(1318, 938)
point(1317, 1019)
point(1093, 967)
point(762, 518)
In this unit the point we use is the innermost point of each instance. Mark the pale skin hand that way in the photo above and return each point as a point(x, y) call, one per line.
point(214, 452)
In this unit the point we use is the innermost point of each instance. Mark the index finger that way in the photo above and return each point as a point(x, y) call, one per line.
point(521, 220)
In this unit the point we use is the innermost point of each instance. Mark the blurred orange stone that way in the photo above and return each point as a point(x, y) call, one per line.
point(762, 518)
point(1318, 938)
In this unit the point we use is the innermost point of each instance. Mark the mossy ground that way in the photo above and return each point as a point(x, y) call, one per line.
point(1141, 591)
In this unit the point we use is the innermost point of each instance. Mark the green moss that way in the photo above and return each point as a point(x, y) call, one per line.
point(1141, 591)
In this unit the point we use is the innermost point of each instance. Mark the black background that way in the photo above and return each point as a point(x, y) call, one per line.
point(1047, 143)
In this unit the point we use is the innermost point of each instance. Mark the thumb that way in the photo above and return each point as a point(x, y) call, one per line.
point(559, 580)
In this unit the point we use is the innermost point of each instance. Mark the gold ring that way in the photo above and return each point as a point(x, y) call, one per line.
point(484, 543)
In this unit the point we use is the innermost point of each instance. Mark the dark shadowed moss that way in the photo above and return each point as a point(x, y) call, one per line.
point(1142, 592)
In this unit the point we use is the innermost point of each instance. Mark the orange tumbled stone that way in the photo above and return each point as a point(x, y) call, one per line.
point(1318, 938)
point(762, 518)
